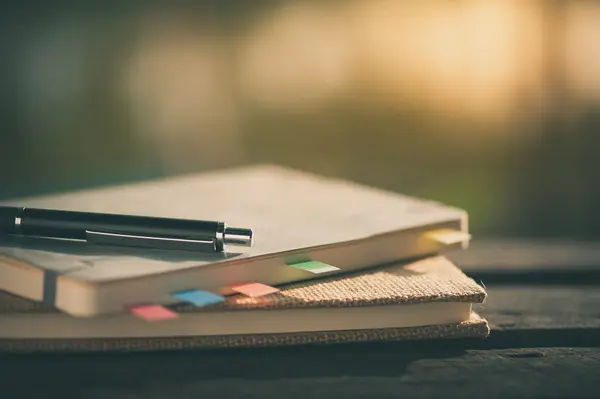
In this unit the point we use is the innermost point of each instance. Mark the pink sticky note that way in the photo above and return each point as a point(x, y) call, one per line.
point(153, 312)
point(254, 289)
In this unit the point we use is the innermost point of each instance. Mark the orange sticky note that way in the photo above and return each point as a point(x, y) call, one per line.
point(152, 312)
point(254, 289)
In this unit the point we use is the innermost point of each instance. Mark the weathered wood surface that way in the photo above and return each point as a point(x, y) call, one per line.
point(518, 307)
point(370, 371)
point(526, 255)
point(535, 263)
point(545, 342)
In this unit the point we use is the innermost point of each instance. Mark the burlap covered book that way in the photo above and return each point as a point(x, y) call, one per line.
point(426, 299)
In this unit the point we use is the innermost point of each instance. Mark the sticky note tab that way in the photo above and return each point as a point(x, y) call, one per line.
point(198, 297)
point(152, 312)
point(314, 266)
point(448, 236)
point(254, 290)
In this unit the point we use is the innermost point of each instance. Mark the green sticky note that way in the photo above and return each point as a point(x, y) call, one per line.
point(314, 266)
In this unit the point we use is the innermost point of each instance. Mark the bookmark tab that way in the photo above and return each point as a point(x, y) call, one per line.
point(448, 236)
point(198, 297)
point(314, 266)
point(152, 312)
point(254, 290)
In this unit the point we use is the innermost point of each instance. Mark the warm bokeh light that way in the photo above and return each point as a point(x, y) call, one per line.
point(453, 57)
point(582, 52)
point(298, 57)
point(493, 105)
point(178, 86)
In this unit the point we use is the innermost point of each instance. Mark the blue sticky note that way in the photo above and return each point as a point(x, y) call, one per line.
point(198, 297)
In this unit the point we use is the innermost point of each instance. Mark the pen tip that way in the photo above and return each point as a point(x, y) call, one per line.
point(238, 236)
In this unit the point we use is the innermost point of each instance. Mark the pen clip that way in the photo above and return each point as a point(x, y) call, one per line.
point(128, 240)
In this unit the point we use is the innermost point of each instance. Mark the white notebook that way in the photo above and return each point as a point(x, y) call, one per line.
point(296, 216)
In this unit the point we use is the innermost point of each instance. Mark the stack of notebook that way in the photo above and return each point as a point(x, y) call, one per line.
point(332, 262)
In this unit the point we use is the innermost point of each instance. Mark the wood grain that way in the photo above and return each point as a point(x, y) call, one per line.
point(527, 255)
point(528, 308)
point(531, 263)
point(371, 371)
point(545, 342)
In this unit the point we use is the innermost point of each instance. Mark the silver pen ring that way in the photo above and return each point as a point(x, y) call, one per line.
point(220, 236)
point(18, 221)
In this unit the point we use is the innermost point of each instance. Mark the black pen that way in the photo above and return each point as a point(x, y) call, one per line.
point(123, 230)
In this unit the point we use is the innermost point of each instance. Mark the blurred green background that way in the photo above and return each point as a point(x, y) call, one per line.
point(493, 106)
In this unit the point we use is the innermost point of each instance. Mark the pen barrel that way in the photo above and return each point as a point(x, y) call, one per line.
point(74, 225)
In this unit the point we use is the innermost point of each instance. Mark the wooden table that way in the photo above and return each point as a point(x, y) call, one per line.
point(543, 307)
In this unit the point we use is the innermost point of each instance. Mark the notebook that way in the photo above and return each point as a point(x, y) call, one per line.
point(297, 217)
point(423, 299)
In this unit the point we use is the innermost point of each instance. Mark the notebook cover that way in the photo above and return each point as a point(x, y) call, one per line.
point(426, 280)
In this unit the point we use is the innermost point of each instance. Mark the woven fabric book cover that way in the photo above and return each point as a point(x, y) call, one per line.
point(424, 281)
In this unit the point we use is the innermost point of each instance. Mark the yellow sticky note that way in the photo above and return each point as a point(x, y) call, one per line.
point(448, 236)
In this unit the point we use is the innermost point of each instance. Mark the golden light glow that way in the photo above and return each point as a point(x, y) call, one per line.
point(178, 87)
point(477, 59)
point(466, 58)
point(583, 50)
point(298, 57)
